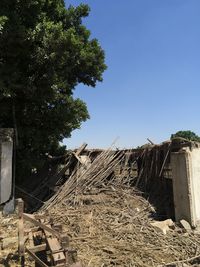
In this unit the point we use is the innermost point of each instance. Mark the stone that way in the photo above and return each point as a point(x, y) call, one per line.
point(186, 225)
point(9, 207)
point(163, 226)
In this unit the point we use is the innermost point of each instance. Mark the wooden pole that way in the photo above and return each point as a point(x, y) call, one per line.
point(21, 249)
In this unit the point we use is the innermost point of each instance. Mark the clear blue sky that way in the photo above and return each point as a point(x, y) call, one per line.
point(152, 85)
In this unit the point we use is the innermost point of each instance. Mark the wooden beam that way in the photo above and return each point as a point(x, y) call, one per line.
point(152, 143)
point(57, 253)
point(38, 248)
point(81, 149)
point(21, 248)
point(35, 258)
point(31, 218)
point(30, 237)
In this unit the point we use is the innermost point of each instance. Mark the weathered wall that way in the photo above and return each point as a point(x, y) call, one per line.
point(186, 184)
point(181, 177)
point(6, 156)
point(6, 171)
point(195, 175)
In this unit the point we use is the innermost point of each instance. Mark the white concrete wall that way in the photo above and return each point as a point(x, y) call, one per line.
point(186, 184)
point(195, 183)
point(6, 171)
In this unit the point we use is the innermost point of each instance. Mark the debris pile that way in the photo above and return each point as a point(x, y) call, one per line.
point(111, 224)
point(94, 198)
point(86, 177)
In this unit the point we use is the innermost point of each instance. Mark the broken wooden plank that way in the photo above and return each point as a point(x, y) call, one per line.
point(81, 149)
point(35, 258)
point(57, 253)
point(152, 143)
point(78, 152)
point(21, 248)
point(32, 219)
point(38, 248)
point(30, 237)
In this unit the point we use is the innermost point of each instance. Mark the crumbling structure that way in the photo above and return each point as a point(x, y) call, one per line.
point(167, 174)
point(98, 198)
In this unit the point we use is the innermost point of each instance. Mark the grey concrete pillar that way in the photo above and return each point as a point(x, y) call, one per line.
point(186, 184)
point(6, 167)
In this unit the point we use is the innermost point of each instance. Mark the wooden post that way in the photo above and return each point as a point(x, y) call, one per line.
point(21, 249)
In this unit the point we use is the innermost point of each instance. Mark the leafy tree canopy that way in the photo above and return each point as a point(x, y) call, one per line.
point(45, 52)
point(189, 135)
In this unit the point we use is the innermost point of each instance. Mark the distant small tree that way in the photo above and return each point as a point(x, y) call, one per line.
point(189, 135)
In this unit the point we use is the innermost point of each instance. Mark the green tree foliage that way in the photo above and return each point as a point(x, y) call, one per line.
point(45, 52)
point(189, 135)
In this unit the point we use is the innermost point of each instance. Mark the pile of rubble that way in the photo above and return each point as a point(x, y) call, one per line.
point(115, 226)
point(107, 220)
point(111, 224)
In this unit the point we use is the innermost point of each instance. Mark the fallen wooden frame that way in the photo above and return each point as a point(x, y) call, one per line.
point(44, 237)
point(35, 257)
